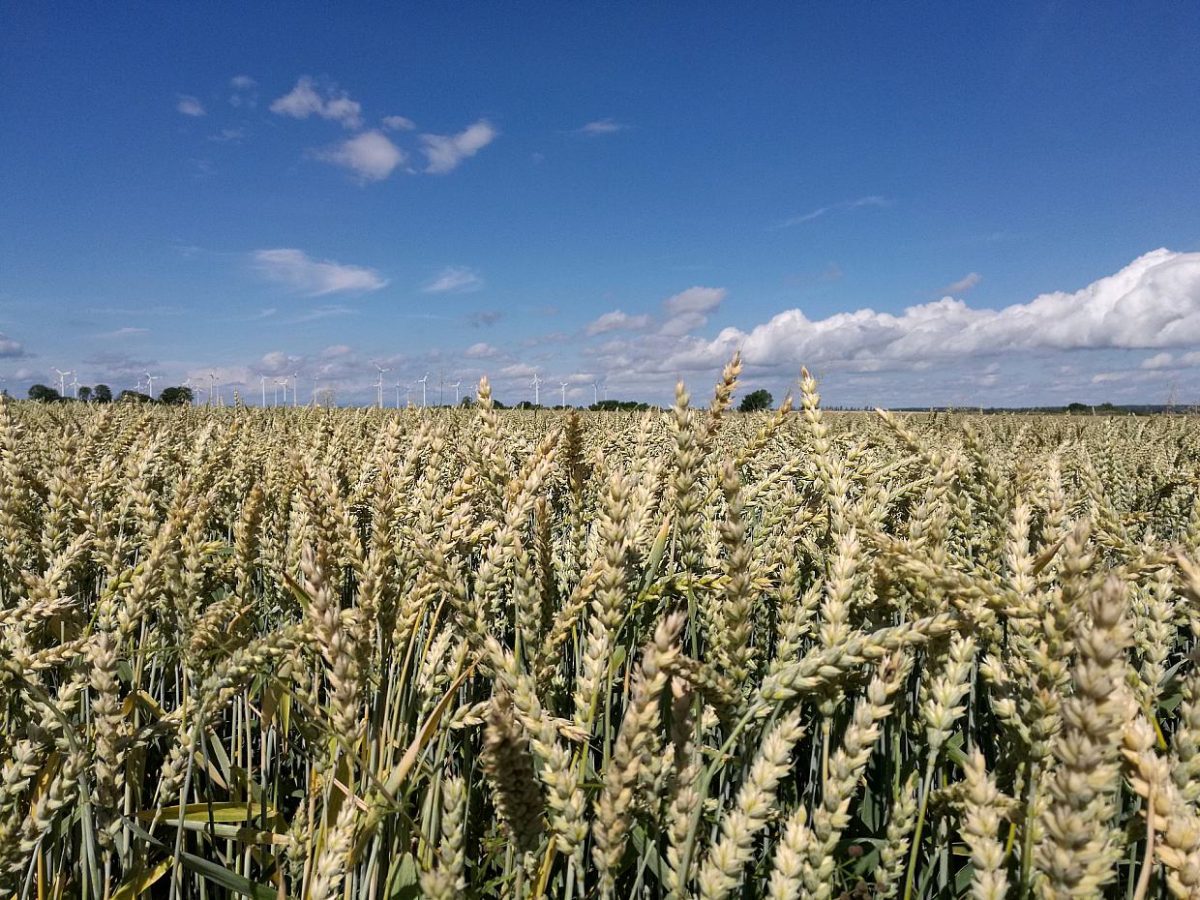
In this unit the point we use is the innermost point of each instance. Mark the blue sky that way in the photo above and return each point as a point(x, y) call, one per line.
point(617, 193)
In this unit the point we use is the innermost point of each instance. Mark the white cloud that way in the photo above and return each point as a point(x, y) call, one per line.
point(9, 348)
point(454, 280)
point(370, 155)
point(1152, 303)
point(602, 126)
point(242, 82)
point(870, 200)
point(1159, 361)
point(445, 152)
point(1172, 361)
point(617, 320)
point(128, 331)
point(689, 310)
point(308, 98)
point(314, 277)
point(189, 105)
point(964, 284)
point(519, 370)
point(398, 123)
point(480, 350)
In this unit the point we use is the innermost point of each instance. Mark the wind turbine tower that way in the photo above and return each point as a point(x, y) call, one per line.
point(263, 379)
point(62, 381)
point(424, 383)
point(455, 386)
point(150, 381)
point(537, 395)
point(563, 385)
point(295, 388)
point(379, 384)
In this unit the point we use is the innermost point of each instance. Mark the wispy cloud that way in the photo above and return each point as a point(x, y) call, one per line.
point(617, 321)
point(313, 277)
point(128, 331)
point(484, 318)
point(481, 350)
point(370, 155)
point(244, 93)
point(964, 284)
point(310, 98)
point(325, 312)
point(453, 280)
point(445, 152)
point(600, 127)
point(845, 205)
point(398, 123)
point(10, 348)
point(189, 105)
point(228, 135)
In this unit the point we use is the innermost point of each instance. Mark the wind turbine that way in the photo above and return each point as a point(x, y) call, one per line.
point(75, 385)
point(595, 393)
point(423, 382)
point(563, 385)
point(379, 383)
point(278, 382)
point(455, 386)
point(295, 388)
point(62, 381)
point(150, 381)
point(263, 379)
point(537, 384)
point(398, 386)
point(212, 390)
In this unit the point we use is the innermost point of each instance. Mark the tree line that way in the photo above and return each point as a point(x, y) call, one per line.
point(102, 393)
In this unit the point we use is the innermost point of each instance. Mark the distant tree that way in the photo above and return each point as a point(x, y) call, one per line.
point(619, 406)
point(134, 397)
point(527, 404)
point(44, 393)
point(1077, 407)
point(176, 396)
point(85, 393)
point(102, 393)
point(756, 401)
point(467, 402)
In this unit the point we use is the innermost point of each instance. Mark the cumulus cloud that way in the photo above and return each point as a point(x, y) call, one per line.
point(190, 106)
point(445, 152)
point(964, 284)
point(314, 277)
point(454, 280)
point(617, 321)
point(1153, 303)
point(370, 155)
point(308, 98)
point(689, 310)
point(601, 126)
point(859, 203)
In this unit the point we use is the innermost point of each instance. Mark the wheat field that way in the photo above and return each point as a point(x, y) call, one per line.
point(382, 654)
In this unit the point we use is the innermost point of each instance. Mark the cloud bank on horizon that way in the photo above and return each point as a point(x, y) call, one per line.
point(1149, 312)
